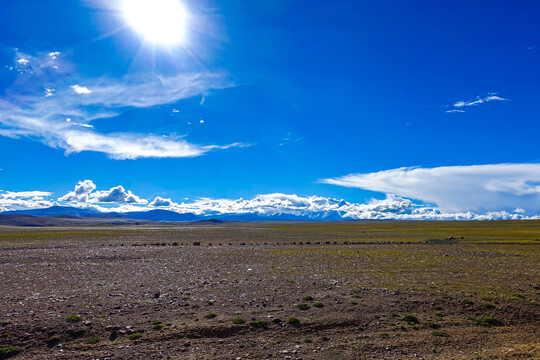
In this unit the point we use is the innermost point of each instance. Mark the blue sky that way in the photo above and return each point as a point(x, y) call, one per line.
point(338, 100)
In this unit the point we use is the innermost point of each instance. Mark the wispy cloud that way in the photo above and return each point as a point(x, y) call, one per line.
point(457, 188)
point(289, 139)
point(10, 200)
point(460, 105)
point(479, 100)
point(26, 112)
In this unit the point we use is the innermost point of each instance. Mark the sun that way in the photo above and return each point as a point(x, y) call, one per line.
point(158, 21)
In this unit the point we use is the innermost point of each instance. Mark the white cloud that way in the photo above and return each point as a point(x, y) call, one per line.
point(118, 199)
point(54, 54)
point(44, 118)
point(81, 89)
point(117, 194)
point(455, 111)
point(160, 202)
point(23, 61)
point(81, 192)
point(457, 188)
point(49, 92)
point(10, 200)
point(25, 194)
point(479, 100)
point(313, 207)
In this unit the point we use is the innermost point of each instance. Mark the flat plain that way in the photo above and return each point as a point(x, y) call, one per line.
point(319, 290)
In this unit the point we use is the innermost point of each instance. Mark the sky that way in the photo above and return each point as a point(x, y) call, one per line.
point(359, 109)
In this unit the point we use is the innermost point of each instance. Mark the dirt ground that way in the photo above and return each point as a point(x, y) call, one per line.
point(371, 290)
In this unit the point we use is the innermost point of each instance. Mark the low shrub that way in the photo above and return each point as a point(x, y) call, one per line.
point(294, 321)
point(410, 319)
point(73, 318)
point(259, 324)
point(488, 321)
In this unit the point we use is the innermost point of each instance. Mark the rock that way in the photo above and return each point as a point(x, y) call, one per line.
point(113, 336)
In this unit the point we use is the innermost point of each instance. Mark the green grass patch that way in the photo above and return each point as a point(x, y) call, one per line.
point(488, 321)
point(92, 340)
point(135, 336)
point(432, 325)
point(238, 321)
point(294, 321)
point(9, 351)
point(73, 318)
point(261, 324)
point(440, 333)
point(410, 319)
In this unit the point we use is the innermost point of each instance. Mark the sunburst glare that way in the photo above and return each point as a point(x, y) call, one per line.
point(158, 21)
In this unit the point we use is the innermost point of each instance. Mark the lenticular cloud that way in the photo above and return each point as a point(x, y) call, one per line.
point(493, 187)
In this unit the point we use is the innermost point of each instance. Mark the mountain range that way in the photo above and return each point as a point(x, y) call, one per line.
point(65, 215)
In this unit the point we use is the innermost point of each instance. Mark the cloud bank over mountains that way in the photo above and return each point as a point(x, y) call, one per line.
point(483, 192)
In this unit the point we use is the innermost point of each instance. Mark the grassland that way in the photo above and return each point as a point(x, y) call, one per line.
point(325, 290)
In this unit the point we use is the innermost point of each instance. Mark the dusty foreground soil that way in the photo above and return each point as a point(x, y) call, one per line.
point(358, 291)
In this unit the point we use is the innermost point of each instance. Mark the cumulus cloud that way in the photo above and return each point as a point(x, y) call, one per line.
point(84, 193)
point(457, 188)
point(117, 195)
point(160, 202)
point(27, 113)
point(81, 192)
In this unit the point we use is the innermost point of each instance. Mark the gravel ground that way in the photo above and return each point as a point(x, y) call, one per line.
point(83, 293)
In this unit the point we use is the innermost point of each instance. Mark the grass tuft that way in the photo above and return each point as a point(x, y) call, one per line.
point(410, 319)
point(135, 336)
point(440, 333)
point(293, 321)
point(488, 321)
point(73, 318)
point(92, 340)
point(238, 321)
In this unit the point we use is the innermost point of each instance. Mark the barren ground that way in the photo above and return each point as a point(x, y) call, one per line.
point(372, 290)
